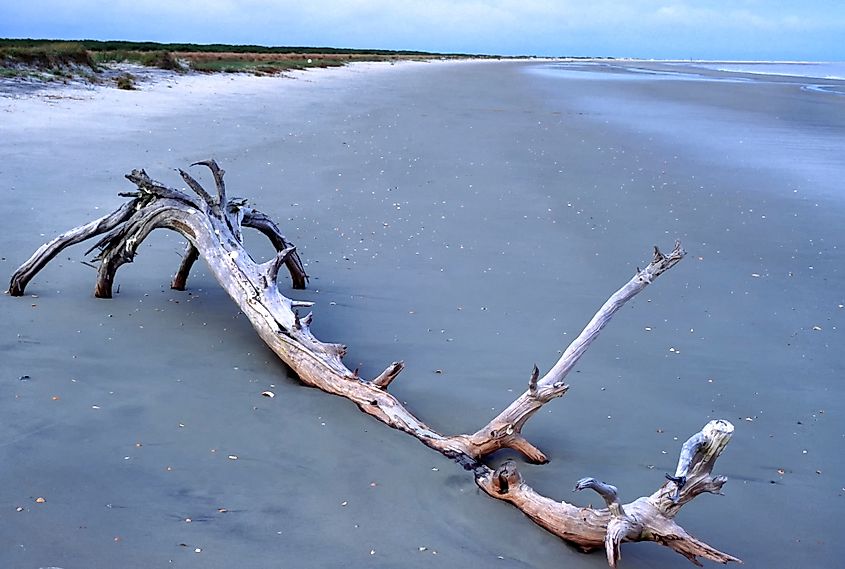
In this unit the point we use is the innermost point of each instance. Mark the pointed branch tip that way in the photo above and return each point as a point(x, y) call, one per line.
point(532, 382)
point(197, 188)
point(608, 492)
point(531, 453)
point(388, 375)
point(217, 173)
point(276, 264)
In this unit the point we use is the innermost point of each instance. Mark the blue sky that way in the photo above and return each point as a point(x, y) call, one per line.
point(712, 29)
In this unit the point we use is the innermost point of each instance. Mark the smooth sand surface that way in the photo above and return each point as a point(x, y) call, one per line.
point(464, 217)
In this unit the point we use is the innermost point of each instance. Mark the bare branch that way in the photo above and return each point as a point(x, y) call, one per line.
point(150, 188)
point(659, 264)
point(122, 245)
point(666, 531)
point(180, 279)
point(198, 189)
point(218, 178)
point(619, 529)
point(644, 519)
point(532, 381)
point(260, 221)
point(388, 375)
point(693, 475)
point(49, 250)
point(540, 391)
point(275, 264)
point(608, 492)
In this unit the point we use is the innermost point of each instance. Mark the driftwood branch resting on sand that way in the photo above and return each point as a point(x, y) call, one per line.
point(648, 518)
point(212, 226)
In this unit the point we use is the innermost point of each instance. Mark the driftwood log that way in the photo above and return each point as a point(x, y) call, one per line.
point(212, 226)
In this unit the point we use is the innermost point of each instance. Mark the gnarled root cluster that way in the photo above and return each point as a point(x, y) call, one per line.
point(212, 226)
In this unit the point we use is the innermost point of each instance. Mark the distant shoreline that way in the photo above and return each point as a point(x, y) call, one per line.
point(30, 65)
point(126, 65)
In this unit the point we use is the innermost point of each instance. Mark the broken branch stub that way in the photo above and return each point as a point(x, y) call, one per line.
point(212, 226)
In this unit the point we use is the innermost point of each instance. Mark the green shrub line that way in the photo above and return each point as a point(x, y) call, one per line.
point(259, 67)
point(162, 60)
point(100, 46)
point(117, 56)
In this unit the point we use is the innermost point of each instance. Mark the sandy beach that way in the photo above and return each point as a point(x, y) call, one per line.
point(468, 218)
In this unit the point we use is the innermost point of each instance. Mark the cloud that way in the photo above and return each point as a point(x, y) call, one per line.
point(708, 17)
point(648, 28)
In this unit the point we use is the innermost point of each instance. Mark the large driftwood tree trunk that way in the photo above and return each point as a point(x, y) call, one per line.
point(212, 226)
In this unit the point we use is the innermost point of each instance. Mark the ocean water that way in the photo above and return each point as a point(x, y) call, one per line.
point(823, 77)
point(766, 122)
point(612, 71)
point(818, 70)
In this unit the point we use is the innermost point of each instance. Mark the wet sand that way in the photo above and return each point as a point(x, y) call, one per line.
point(464, 217)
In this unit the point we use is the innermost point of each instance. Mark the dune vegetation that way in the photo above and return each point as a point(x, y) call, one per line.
point(91, 60)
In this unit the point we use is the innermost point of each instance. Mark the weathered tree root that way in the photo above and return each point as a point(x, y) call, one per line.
point(212, 225)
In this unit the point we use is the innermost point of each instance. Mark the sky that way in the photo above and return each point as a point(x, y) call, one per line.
point(661, 29)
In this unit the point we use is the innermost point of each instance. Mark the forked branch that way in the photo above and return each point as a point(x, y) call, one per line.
point(505, 430)
point(648, 518)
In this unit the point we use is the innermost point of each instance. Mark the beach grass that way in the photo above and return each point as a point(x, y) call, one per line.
point(48, 56)
point(87, 59)
point(162, 60)
point(117, 56)
point(126, 82)
point(260, 64)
